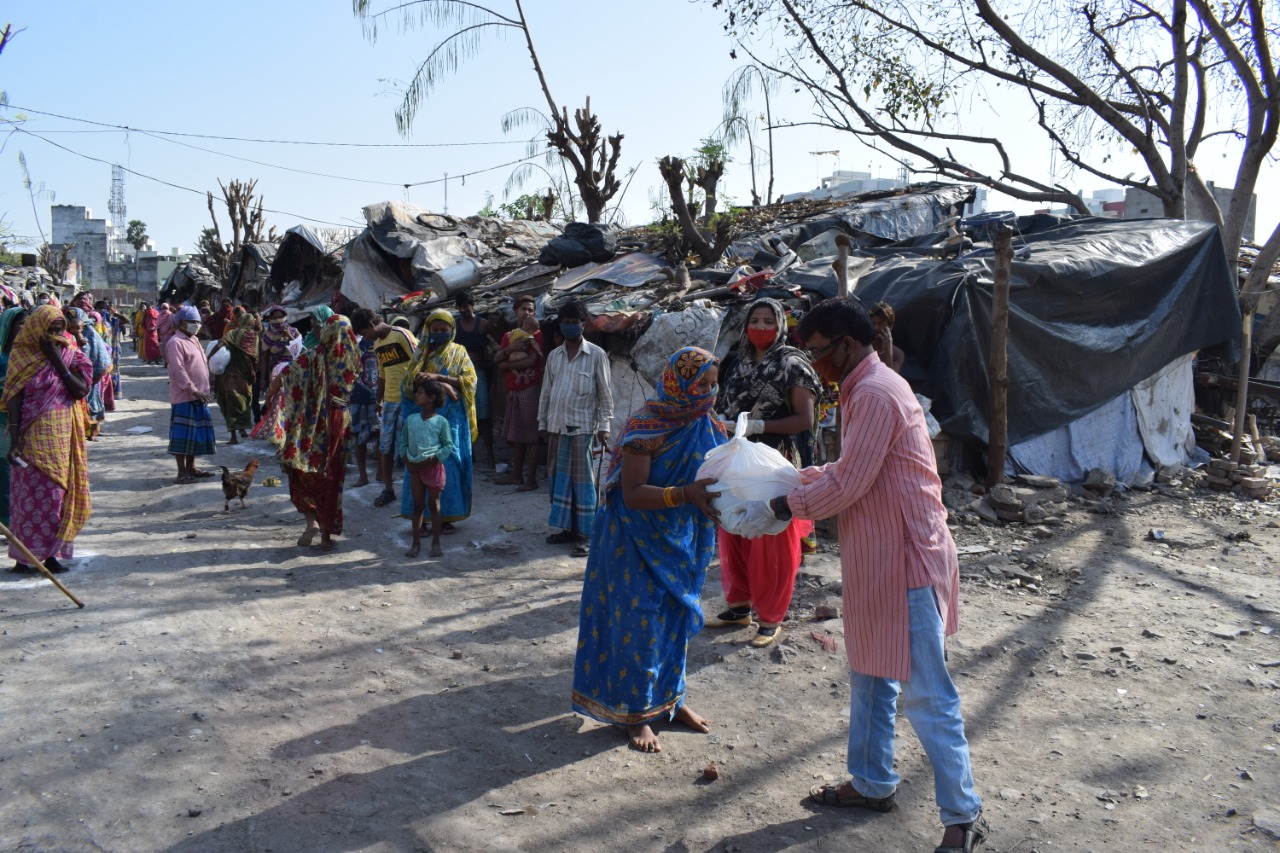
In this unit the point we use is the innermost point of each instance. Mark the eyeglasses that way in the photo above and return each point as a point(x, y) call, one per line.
point(815, 354)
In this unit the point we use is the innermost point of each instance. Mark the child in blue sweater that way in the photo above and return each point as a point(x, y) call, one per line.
point(426, 440)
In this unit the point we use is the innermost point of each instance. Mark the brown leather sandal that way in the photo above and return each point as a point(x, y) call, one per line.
point(829, 795)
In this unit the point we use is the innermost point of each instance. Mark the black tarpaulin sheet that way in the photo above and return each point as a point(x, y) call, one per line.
point(1099, 306)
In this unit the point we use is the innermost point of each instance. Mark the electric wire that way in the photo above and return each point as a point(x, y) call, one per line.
point(124, 127)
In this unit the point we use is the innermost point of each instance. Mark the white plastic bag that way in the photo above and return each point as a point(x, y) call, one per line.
point(219, 361)
point(747, 471)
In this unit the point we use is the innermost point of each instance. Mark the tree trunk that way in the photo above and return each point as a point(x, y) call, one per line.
point(708, 177)
point(998, 379)
point(672, 169)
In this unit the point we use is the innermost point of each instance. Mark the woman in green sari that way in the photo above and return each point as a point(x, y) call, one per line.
point(234, 388)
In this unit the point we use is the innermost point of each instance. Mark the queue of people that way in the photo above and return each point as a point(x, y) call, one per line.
point(648, 528)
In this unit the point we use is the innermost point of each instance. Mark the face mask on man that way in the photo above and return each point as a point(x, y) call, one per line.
point(438, 338)
point(825, 368)
point(571, 331)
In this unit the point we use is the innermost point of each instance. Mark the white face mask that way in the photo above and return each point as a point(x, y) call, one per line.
point(192, 328)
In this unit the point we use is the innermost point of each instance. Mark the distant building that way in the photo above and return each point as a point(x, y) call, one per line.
point(75, 224)
point(1140, 204)
point(844, 183)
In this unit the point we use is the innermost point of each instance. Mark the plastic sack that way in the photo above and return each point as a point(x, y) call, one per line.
point(747, 471)
point(219, 361)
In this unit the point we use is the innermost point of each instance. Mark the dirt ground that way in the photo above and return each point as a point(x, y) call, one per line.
point(226, 690)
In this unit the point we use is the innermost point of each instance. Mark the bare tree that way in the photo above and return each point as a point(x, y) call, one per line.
point(1157, 78)
point(708, 240)
point(56, 260)
point(244, 209)
point(592, 156)
point(336, 237)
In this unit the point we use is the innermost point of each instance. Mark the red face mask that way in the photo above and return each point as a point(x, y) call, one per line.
point(762, 338)
point(825, 369)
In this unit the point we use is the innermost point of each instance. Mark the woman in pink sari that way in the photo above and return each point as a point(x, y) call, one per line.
point(49, 490)
point(166, 326)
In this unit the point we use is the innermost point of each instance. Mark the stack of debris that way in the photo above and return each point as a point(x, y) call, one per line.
point(1031, 499)
point(1223, 475)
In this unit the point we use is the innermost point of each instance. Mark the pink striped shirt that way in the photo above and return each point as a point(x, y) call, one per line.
point(892, 524)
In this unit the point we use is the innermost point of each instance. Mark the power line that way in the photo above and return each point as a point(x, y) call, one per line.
point(127, 128)
point(138, 174)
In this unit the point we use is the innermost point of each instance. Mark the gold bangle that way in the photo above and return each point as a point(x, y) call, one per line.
point(666, 496)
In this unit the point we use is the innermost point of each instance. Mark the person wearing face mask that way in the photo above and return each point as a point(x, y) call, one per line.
point(47, 378)
point(574, 407)
point(900, 574)
point(190, 423)
point(656, 534)
point(442, 359)
point(394, 349)
point(775, 384)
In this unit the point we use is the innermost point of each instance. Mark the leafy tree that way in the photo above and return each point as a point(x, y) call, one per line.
point(136, 234)
point(592, 156)
point(528, 206)
point(487, 210)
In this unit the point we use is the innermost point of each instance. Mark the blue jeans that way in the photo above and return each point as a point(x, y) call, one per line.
point(931, 705)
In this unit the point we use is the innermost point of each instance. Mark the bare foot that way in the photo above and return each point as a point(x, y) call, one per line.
point(308, 536)
point(436, 550)
point(692, 719)
point(508, 480)
point(448, 528)
point(643, 739)
point(528, 487)
point(326, 544)
point(413, 550)
point(363, 481)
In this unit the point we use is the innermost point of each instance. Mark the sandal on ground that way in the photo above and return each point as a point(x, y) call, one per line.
point(974, 834)
point(766, 636)
point(580, 551)
point(202, 474)
point(55, 567)
point(731, 617)
point(564, 537)
point(24, 569)
point(384, 499)
point(829, 795)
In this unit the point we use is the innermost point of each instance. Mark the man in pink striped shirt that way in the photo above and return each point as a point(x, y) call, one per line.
point(900, 573)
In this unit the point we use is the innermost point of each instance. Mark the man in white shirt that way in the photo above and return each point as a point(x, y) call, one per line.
point(575, 406)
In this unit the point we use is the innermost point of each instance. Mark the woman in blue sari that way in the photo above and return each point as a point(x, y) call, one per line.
point(442, 359)
point(652, 539)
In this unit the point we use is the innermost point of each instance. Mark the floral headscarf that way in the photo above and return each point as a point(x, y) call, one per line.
point(244, 336)
point(449, 359)
point(319, 379)
point(674, 408)
point(763, 387)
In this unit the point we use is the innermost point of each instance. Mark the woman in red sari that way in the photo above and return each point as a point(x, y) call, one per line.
point(151, 335)
point(49, 491)
point(315, 428)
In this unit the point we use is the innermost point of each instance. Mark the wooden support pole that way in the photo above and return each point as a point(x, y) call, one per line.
point(842, 265)
point(1242, 386)
point(998, 373)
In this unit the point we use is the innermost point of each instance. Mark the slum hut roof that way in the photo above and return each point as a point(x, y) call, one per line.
point(405, 250)
point(303, 274)
point(190, 282)
point(251, 274)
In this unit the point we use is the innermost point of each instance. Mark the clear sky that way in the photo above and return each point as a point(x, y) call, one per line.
point(303, 70)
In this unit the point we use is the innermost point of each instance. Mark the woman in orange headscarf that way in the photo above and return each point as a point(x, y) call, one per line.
point(49, 490)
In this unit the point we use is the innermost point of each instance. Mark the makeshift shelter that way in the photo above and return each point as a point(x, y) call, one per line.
point(190, 282)
point(303, 274)
point(406, 250)
point(1104, 316)
point(251, 275)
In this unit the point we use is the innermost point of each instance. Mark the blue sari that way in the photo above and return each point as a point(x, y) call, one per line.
point(641, 594)
point(449, 359)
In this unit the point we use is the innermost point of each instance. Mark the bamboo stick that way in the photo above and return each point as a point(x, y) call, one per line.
point(35, 561)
